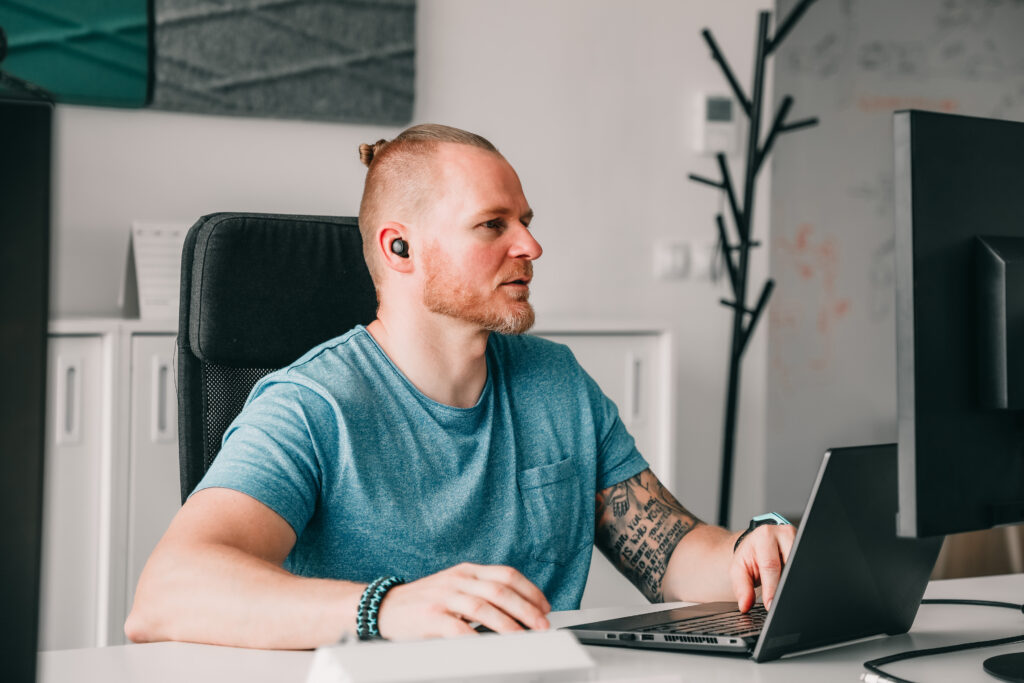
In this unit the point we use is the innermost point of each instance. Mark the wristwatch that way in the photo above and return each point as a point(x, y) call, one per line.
point(773, 518)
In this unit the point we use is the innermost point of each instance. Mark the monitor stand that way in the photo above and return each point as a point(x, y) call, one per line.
point(1006, 667)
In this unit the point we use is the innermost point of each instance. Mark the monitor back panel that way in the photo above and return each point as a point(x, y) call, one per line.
point(956, 178)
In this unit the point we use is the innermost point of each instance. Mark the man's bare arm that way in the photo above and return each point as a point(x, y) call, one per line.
point(671, 555)
point(216, 577)
point(638, 526)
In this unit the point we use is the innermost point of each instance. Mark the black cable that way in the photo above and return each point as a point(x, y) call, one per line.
point(875, 665)
point(983, 603)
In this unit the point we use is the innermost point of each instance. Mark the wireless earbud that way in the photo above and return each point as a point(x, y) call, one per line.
point(400, 247)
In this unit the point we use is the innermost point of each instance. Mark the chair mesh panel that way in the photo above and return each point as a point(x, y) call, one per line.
point(224, 392)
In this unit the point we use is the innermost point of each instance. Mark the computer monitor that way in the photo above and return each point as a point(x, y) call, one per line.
point(959, 195)
point(24, 278)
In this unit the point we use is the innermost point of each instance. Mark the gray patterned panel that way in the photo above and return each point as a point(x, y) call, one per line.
point(330, 60)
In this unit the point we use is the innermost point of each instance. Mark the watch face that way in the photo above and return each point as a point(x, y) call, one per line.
point(768, 518)
point(772, 518)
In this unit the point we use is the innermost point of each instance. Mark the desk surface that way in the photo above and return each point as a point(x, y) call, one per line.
point(936, 625)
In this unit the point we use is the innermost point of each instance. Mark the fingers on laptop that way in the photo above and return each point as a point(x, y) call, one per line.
point(772, 553)
point(768, 557)
point(760, 563)
point(786, 536)
point(742, 584)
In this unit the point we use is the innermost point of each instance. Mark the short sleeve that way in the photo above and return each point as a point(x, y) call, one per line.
point(271, 451)
point(617, 456)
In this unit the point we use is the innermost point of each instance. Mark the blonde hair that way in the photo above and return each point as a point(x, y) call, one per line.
point(399, 178)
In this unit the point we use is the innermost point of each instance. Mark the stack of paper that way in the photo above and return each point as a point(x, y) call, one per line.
point(153, 274)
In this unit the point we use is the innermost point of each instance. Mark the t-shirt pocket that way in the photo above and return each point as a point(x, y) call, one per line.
point(551, 495)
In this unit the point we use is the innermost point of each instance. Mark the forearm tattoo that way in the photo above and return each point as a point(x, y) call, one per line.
point(638, 525)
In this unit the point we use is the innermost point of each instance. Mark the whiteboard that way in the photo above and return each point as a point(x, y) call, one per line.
point(831, 330)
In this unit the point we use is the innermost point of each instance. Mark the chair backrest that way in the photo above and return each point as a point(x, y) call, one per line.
point(257, 291)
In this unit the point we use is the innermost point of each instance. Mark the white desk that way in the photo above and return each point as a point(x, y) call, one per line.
point(936, 625)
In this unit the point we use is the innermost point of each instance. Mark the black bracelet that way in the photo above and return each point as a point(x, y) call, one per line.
point(773, 518)
point(369, 606)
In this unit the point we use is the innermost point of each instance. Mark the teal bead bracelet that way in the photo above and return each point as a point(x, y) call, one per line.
point(369, 606)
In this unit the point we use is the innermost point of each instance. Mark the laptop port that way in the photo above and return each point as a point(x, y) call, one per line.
point(646, 636)
point(610, 636)
point(627, 636)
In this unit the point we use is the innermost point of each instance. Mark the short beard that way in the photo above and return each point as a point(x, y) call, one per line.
point(443, 294)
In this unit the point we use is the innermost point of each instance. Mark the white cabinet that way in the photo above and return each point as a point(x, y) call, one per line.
point(77, 443)
point(111, 483)
point(633, 367)
point(153, 492)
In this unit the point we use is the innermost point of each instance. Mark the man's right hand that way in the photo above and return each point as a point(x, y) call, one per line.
point(444, 604)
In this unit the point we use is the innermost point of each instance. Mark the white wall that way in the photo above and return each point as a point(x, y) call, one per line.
point(591, 100)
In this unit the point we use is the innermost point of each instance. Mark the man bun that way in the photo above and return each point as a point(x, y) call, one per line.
point(422, 138)
point(368, 152)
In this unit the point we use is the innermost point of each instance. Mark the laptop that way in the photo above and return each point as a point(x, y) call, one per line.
point(848, 577)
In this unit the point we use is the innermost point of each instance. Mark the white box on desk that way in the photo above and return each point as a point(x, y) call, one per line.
point(527, 656)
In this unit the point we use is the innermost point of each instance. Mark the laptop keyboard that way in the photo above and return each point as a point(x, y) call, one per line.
point(725, 624)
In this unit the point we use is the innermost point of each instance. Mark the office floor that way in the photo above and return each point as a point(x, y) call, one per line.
point(982, 553)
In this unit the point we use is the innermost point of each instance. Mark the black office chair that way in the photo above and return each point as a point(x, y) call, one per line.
point(257, 291)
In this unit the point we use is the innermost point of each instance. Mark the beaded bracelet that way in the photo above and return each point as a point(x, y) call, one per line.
point(369, 606)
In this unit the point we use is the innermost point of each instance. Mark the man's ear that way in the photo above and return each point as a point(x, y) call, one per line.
point(393, 255)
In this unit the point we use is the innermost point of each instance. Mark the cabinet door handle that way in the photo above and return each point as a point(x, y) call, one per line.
point(160, 423)
point(634, 373)
point(69, 400)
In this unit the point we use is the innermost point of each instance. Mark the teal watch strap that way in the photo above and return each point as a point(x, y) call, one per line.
point(773, 518)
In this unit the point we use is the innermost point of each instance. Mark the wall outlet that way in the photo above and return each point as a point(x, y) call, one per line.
point(671, 260)
point(705, 263)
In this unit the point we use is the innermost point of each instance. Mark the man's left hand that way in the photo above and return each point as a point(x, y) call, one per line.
point(758, 561)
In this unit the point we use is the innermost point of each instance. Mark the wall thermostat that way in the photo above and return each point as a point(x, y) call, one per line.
point(719, 125)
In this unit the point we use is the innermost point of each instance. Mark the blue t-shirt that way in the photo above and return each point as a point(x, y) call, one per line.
point(377, 479)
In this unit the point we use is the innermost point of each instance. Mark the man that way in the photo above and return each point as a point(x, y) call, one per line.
point(436, 444)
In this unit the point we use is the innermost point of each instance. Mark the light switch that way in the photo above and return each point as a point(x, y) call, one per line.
point(671, 260)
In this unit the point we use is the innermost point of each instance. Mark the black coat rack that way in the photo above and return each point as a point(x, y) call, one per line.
point(745, 319)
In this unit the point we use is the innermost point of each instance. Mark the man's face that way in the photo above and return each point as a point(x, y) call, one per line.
point(478, 258)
